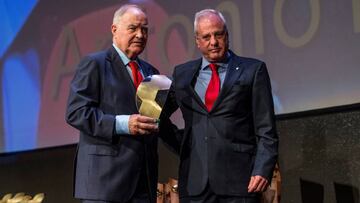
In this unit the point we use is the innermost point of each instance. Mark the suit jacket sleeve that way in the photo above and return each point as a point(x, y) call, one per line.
point(83, 112)
point(169, 133)
point(264, 124)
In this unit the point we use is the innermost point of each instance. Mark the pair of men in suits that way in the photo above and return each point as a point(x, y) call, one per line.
point(229, 145)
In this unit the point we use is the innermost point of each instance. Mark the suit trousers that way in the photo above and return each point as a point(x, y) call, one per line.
point(140, 199)
point(208, 196)
point(141, 192)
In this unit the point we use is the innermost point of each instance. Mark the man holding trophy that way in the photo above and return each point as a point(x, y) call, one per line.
point(116, 159)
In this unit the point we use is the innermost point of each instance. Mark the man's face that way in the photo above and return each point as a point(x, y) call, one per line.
point(212, 38)
point(131, 32)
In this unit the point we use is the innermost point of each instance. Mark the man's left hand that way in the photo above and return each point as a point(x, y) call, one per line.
point(257, 184)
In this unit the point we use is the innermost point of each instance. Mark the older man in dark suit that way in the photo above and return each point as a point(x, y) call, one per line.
point(116, 159)
point(229, 146)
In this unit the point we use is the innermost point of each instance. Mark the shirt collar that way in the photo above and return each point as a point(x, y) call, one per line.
point(123, 57)
point(205, 63)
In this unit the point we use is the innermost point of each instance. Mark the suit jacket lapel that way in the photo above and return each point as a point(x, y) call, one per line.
point(234, 70)
point(119, 68)
point(145, 68)
point(192, 73)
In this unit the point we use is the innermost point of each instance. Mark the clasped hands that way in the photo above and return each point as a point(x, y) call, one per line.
point(142, 125)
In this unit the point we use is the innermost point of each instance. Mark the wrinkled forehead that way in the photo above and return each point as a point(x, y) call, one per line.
point(210, 22)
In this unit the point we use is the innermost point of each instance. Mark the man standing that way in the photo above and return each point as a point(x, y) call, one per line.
point(116, 159)
point(229, 145)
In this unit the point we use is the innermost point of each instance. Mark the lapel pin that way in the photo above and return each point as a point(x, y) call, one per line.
point(237, 68)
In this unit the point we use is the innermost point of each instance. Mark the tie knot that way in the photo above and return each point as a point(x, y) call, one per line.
point(213, 67)
point(133, 65)
point(136, 74)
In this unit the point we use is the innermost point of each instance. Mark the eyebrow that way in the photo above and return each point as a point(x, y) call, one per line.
point(137, 25)
point(213, 33)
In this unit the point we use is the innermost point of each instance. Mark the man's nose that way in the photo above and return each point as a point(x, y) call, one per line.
point(213, 40)
point(139, 33)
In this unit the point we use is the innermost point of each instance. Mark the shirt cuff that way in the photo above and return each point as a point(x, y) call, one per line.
point(122, 124)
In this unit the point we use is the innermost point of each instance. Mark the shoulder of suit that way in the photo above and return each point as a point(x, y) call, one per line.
point(97, 56)
point(92, 60)
point(187, 64)
point(247, 60)
point(145, 62)
point(149, 65)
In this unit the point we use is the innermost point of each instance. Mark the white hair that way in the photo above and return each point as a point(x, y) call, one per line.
point(122, 10)
point(206, 12)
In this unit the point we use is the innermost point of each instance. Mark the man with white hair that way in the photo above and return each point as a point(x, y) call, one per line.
point(229, 146)
point(116, 159)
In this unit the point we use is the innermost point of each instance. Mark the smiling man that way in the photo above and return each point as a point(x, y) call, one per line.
point(116, 160)
point(229, 146)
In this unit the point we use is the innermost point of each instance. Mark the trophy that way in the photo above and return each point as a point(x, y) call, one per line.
point(151, 95)
point(21, 197)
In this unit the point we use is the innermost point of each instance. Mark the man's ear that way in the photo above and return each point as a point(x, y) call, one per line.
point(113, 29)
point(197, 41)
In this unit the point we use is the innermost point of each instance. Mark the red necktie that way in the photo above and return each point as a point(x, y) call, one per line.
point(135, 73)
point(213, 88)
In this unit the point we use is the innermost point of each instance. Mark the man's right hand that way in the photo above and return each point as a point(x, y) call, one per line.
point(142, 125)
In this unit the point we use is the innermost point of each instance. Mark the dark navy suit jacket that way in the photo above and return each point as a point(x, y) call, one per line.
point(108, 165)
point(232, 142)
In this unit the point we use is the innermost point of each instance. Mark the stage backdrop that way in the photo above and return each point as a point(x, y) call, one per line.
point(311, 47)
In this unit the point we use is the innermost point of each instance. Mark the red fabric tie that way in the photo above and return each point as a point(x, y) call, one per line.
point(213, 88)
point(137, 77)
